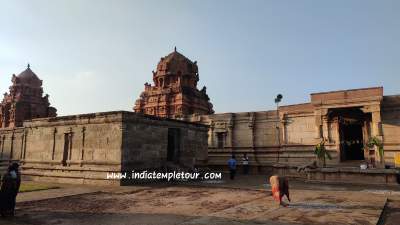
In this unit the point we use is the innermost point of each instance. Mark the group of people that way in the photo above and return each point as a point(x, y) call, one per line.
point(232, 164)
point(10, 183)
point(279, 184)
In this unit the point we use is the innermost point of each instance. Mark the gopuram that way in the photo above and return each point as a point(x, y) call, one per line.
point(25, 101)
point(174, 92)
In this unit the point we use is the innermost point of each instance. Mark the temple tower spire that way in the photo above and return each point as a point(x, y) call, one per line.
point(174, 91)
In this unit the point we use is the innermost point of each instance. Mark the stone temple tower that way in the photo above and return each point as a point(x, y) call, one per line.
point(25, 101)
point(174, 93)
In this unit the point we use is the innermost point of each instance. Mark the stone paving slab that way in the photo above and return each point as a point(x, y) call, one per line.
point(204, 206)
point(71, 190)
point(53, 193)
point(314, 207)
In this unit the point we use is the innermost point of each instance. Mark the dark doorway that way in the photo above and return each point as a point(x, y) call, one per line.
point(220, 140)
point(66, 149)
point(174, 141)
point(351, 141)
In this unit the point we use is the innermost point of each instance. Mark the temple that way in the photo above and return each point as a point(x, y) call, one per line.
point(174, 126)
point(174, 92)
point(283, 140)
point(25, 101)
point(83, 148)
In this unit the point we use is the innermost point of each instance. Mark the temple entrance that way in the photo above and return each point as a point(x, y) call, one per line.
point(351, 141)
point(174, 141)
point(354, 130)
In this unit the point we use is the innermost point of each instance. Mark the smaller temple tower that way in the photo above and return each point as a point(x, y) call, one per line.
point(174, 93)
point(25, 101)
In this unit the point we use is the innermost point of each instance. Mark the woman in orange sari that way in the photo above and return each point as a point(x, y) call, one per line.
point(279, 188)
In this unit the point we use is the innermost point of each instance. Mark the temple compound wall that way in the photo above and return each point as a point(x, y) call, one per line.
point(346, 120)
point(83, 148)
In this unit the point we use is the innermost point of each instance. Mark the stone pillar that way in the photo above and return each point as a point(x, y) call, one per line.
point(376, 123)
point(377, 132)
point(283, 123)
point(2, 146)
point(12, 145)
point(376, 126)
point(325, 128)
point(1, 117)
point(83, 144)
point(69, 158)
point(337, 140)
point(54, 144)
point(251, 127)
point(318, 125)
point(230, 132)
point(211, 134)
point(25, 141)
point(22, 145)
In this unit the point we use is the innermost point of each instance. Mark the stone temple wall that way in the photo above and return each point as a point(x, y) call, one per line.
point(79, 148)
point(391, 126)
point(256, 134)
point(11, 143)
point(145, 142)
point(83, 148)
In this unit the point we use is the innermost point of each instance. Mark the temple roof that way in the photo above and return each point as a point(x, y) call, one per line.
point(28, 77)
point(175, 62)
point(175, 56)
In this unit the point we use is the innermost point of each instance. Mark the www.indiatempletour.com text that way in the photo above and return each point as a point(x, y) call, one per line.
point(153, 175)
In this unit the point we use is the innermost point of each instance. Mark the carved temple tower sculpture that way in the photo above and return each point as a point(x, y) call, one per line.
point(25, 101)
point(174, 93)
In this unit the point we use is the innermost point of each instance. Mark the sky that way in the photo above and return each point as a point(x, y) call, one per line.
point(96, 55)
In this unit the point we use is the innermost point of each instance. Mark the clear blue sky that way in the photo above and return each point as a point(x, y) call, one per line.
point(96, 55)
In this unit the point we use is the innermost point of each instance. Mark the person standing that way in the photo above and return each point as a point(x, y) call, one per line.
point(245, 163)
point(232, 167)
point(9, 189)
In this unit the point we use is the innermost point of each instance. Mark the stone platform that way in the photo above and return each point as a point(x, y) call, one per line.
point(338, 174)
point(354, 175)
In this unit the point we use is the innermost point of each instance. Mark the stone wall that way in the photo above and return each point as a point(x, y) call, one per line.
point(257, 133)
point(391, 126)
point(145, 142)
point(11, 146)
point(79, 148)
point(83, 148)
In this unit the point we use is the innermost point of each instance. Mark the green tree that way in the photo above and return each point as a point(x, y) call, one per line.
point(375, 141)
point(321, 152)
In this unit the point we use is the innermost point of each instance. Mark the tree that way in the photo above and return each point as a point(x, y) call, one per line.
point(321, 152)
point(375, 141)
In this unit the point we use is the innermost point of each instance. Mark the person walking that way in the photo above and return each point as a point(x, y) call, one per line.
point(232, 167)
point(245, 163)
point(279, 188)
point(9, 189)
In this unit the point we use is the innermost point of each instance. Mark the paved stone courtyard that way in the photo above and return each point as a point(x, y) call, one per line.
point(243, 201)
